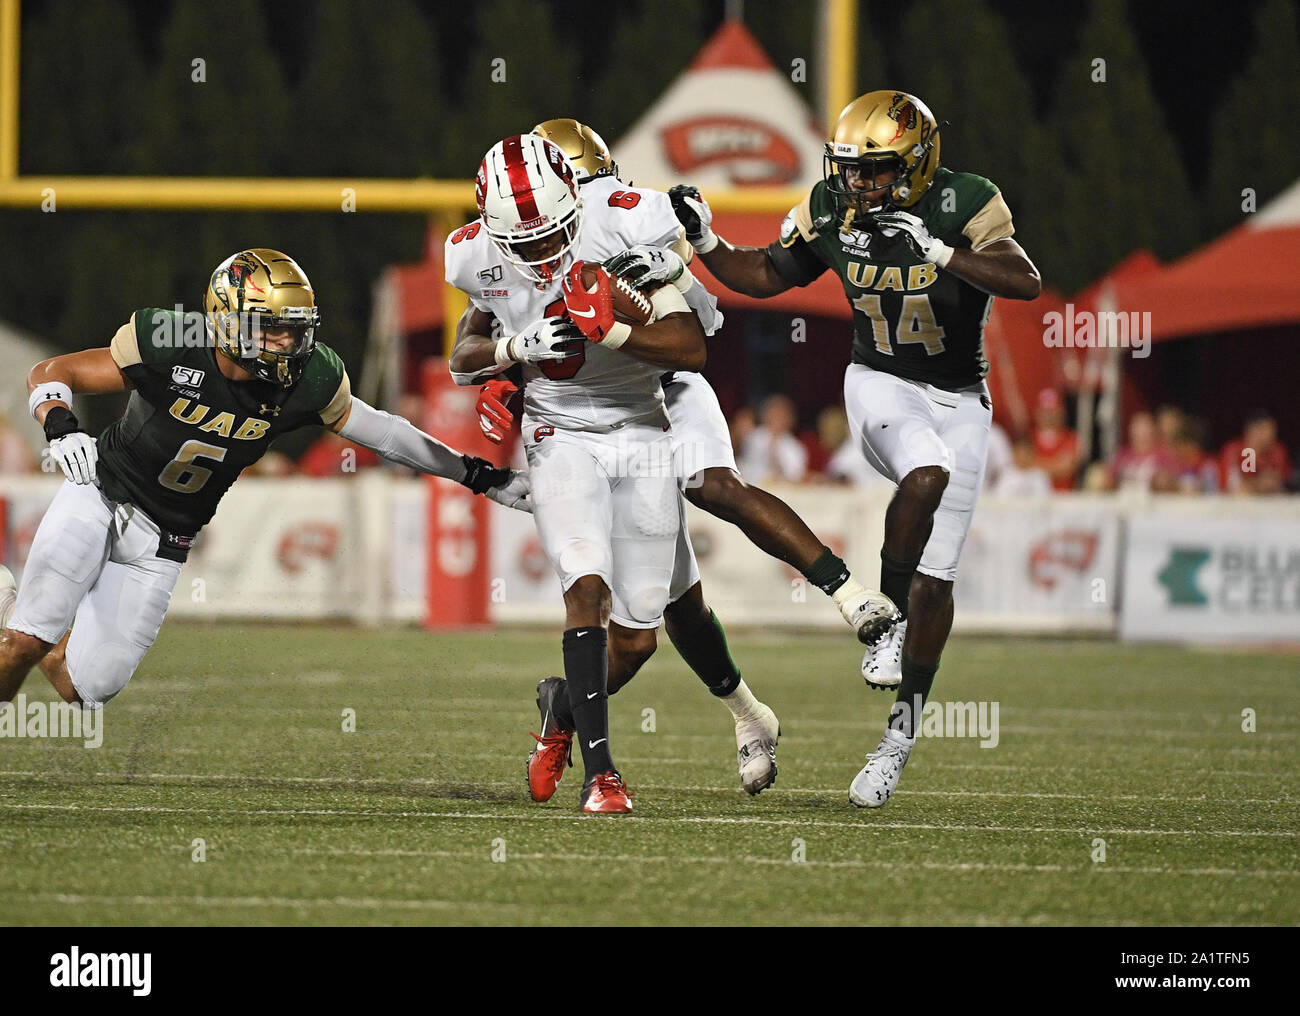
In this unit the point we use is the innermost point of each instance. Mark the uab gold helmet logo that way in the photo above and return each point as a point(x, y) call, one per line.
point(902, 110)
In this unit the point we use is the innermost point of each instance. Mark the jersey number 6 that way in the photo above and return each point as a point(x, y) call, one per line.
point(182, 475)
point(562, 370)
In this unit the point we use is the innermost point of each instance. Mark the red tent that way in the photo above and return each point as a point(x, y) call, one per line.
point(1247, 278)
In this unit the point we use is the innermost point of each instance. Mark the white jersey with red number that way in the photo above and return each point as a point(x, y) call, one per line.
point(599, 388)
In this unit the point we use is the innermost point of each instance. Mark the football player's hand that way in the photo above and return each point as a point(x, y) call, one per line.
point(695, 215)
point(494, 418)
point(76, 455)
point(645, 266)
point(593, 313)
point(929, 248)
point(553, 338)
point(504, 486)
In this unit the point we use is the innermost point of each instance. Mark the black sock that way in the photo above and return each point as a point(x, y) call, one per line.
point(896, 579)
point(913, 690)
point(828, 572)
point(705, 651)
point(586, 667)
point(563, 714)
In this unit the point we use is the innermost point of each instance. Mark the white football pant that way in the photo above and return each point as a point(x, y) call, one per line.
point(902, 425)
point(608, 504)
point(96, 563)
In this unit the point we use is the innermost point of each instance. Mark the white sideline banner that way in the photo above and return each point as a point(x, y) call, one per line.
point(1228, 573)
point(276, 549)
point(1048, 565)
point(355, 547)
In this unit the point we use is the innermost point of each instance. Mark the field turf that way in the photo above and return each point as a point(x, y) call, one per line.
point(232, 734)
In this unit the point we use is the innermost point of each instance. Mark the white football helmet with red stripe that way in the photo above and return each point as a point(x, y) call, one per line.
point(528, 196)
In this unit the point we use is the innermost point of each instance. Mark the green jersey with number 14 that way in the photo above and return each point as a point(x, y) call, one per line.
point(910, 318)
point(188, 431)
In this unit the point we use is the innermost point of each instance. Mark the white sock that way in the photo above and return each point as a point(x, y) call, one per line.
point(850, 590)
point(741, 702)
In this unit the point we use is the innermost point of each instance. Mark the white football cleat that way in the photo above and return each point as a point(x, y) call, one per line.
point(756, 741)
point(876, 783)
point(882, 664)
point(8, 595)
point(870, 613)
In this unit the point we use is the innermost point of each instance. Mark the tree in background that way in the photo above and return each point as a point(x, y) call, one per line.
point(519, 73)
point(1255, 138)
point(957, 57)
point(1127, 187)
point(637, 61)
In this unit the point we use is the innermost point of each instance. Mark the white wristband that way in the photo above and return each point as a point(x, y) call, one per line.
point(48, 391)
point(940, 254)
point(706, 243)
point(617, 335)
point(684, 282)
point(667, 300)
point(502, 354)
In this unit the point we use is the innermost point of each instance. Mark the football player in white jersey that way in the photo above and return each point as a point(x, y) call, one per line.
point(597, 435)
point(708, 468)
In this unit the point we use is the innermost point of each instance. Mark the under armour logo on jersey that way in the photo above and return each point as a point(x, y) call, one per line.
point(269, 410)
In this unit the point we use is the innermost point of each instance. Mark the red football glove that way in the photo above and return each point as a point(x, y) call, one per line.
point(593, 313)
point(493, 417)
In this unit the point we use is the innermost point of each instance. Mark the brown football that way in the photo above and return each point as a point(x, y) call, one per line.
point(630, 304)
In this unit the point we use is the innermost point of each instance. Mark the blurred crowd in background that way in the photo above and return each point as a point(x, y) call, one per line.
point(1165, 452)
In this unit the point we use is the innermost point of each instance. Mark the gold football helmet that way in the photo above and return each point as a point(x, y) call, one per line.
point(876, 133)
point(259, 291)
point(585, 148)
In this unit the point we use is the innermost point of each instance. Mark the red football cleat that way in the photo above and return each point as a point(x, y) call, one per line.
point(606, 795)
point(554, 751)
point(546, 764)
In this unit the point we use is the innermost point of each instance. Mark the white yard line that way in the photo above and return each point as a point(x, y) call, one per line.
point(427, 781)
point(692, 820)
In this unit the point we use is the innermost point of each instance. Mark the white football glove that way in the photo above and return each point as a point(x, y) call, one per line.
point(76, 455)
point(515, 493)
point(553, 338)
point(928, 247)
point(695, 215)
point(644, 265)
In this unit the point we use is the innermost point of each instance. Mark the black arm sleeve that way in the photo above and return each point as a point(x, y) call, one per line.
point(797, 264)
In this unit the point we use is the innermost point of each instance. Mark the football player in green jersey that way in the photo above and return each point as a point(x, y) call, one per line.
point(921, 251)
point(209, 393)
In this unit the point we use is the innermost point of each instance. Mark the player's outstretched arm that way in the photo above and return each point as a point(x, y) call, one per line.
point(50, 386)
point(746, 270)
point(399, 441)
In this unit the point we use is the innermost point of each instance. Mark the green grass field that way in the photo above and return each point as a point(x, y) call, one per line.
point(233, 735)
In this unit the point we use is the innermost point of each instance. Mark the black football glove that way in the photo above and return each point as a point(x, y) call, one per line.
point(695, 215)
point(508, 487)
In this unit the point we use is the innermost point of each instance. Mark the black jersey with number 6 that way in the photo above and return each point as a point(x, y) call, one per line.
point(188, 431)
